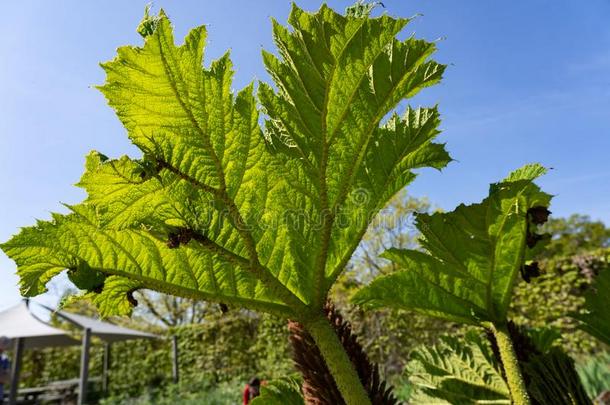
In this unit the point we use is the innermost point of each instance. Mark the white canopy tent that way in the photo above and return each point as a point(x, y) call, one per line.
point(27, 331)
point(108, 332)
point(19, 323)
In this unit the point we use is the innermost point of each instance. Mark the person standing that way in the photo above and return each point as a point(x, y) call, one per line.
point(5, 365)
point(252, 390)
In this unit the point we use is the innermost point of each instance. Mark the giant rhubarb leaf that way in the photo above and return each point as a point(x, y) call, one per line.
point(474, 255)
point(218, 209)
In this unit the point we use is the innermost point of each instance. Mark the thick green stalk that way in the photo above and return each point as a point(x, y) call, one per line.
point(338, 362)
point(514, 378)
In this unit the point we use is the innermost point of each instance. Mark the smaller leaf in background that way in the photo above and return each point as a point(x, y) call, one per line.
point(457, 372)
point(285, 391)
point(474, 255)
point(596, 319)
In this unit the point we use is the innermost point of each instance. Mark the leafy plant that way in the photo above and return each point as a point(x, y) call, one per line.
point(218, 210)
point(576, 234)
point(280, 392)
point(474, 256)
point(470, 370)
point(457, 372)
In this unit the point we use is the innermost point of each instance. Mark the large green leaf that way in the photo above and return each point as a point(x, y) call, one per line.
point(218, 209)
point(596, 316)
point(456, 372)
point(474, 255)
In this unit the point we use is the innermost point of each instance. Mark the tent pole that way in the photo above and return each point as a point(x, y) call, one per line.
point(175, 369)
point(16, 370)
point(84, 367)
point(106, 367)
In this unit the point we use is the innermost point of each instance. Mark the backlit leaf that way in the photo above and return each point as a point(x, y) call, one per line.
point(474, 256)
point(217, 208)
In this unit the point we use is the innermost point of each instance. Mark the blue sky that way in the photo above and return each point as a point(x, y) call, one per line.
point(528, 81)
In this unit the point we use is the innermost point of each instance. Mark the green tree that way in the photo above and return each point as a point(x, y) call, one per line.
point(561, 286)
point(573, 235)
point(170, 311)
point(392, 227)
point(217, 210)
